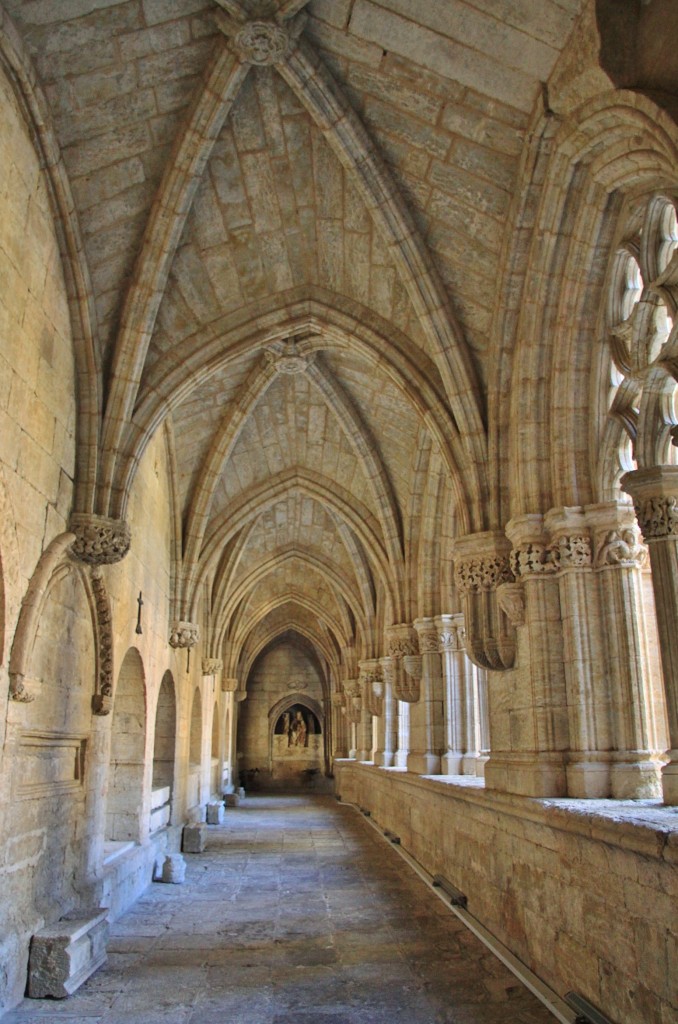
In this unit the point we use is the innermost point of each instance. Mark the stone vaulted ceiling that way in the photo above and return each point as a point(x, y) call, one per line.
point(282, 230)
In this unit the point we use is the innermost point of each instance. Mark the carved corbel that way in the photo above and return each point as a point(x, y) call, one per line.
point(211, 666)
point(402, 643)
point(184, 635)
point(372, 686)
point(354, 703)
point(17, 689)
point(98, 539)
point(481, 565)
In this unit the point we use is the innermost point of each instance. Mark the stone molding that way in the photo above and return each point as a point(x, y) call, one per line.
point(184, 635)
point(98, 539)
point(102, 701)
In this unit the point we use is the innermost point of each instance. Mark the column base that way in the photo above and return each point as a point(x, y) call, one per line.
point(637, 780)
point(471, 763)
point(589, 779)
point(452, 763)
point(382, 759)
point(424, 764)
point(670, 780)
point(526, 774)
point(400, 759)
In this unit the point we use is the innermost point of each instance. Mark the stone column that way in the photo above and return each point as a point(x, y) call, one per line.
point(528, 711)
point(655, 497)
point(483, 721)
point(387, 729)
point(462, 711)
point(618, 557)
point(590, 739)
point(400, 758)
point(368, 676)
point(353, 714)
point(340, 725)
point(401, 643)
point(426, 714)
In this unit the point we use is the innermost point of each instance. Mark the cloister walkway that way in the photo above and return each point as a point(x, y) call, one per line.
point(297, 913)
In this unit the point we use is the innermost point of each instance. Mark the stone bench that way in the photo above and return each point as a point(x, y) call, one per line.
point(65, 954)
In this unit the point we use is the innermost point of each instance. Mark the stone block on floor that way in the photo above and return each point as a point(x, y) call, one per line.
point(231, 799)
point(215, 813)
point(65, 954)
point(194, 837)
point(173, 869)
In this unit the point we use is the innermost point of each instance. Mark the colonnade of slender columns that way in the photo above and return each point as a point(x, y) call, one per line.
point(575, 711)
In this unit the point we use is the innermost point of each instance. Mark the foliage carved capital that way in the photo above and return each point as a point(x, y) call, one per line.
point(98, 539)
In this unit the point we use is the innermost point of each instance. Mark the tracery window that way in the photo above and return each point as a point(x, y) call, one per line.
point(642, 332)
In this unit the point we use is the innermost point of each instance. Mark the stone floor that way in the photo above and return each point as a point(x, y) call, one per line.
point(297, 913)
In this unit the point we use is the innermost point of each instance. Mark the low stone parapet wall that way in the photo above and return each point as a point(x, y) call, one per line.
point(583, 892)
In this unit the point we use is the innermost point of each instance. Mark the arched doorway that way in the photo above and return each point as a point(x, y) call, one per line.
point(163, 754)
point(126, 766)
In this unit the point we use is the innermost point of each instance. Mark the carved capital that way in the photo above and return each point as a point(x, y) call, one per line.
point(571, 551)
point(450, 632)
point(620, 549)
point(428, 635)
point(338, 699)
point(481, 573)
point(184, 635)
point(211, 666)
point(401, 640)
point(98, 539)
point(262, 43)
point(655, 499)
point(512, 602)
point(228, 684)
point(658, 517)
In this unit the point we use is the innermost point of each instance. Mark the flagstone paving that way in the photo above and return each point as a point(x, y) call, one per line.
point(297, 913)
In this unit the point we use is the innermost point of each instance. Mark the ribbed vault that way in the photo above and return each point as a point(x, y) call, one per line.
point(288, 260)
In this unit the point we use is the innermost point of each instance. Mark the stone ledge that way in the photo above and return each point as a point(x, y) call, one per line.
point(647, 827)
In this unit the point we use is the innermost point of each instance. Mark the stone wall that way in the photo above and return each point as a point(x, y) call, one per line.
point(582, 892)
